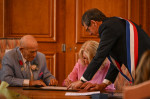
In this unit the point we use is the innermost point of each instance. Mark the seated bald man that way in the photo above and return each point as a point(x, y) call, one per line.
point(25, 66)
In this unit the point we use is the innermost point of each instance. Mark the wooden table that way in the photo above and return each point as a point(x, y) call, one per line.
point(18, 92)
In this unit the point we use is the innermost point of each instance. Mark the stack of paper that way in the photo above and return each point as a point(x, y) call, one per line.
point(81, 93)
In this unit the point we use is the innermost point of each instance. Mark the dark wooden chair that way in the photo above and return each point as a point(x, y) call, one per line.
point(120, 81)
point(140, 91)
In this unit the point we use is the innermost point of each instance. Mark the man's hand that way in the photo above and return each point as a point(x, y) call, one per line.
point(67, 82)
point(86, 85)
point(37, 82)
point(94, 87)
point(53, 82)
point(75, 85)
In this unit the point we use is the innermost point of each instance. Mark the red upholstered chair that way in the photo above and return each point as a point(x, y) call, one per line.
point(7, 44)
point(140, 91)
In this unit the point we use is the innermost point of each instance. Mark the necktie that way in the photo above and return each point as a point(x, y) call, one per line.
point(29, 71)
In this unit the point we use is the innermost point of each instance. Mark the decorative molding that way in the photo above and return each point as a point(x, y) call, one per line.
point(111, 10)
point(76, 57)
point(45, 34)
point(51, 62)
point(81, 34)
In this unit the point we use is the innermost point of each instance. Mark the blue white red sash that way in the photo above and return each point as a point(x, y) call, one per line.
point(132, 51)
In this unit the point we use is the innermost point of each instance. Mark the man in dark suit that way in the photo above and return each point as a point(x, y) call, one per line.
point(25, 66)
point(122, 41)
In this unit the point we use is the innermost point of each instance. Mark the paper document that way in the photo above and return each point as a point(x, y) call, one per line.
point(54, 87)
point(81, 93)
point(57, 88)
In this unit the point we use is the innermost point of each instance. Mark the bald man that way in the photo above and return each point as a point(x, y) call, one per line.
point(25, 66)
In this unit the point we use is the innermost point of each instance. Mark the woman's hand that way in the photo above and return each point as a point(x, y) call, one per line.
point(67, 82)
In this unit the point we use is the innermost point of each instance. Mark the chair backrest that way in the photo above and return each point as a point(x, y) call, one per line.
point(6, 44)
point(120, 81)
point(140, 91)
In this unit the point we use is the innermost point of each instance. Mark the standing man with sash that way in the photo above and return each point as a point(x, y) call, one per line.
point(121, 40)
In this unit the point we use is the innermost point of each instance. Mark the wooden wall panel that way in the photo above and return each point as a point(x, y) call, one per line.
point(144, 16)
point(61, 19)
point(108, 7)
point(60, 31)
point(1, 18)
point(148, 17)
point(51, 62)
point(134, 11)
point(70, 22)
point(37, 18)
point(32, 17)
point(50, 52)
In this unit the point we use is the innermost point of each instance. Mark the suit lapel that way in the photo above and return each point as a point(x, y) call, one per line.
point(21, 64)
point(35, 72)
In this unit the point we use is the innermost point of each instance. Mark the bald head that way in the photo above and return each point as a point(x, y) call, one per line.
point(28, 41)
point(28, 47)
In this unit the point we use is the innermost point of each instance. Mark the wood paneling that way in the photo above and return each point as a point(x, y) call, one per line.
point(51, 62)
point(33, 17)
point(139, 12)
point(128, 9)
point(60, 31)
point(1, 18)
point(70, 35)
point(148, 17)
point(57, 22)
point(134, 11)
point(38, 18)
point(108, 7)
point(145, 15)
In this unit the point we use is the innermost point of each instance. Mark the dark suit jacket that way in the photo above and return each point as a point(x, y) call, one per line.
point(13, 74)
point(113, 43)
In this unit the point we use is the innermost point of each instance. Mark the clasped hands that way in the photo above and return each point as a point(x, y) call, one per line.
point(78, 85)
point(53, 82)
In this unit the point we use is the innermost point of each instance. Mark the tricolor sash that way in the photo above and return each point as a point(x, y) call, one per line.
point(132, 51)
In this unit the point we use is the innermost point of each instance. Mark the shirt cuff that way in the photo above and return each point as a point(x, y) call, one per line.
point(83, 79)
point(26, 82)
point(106, 81)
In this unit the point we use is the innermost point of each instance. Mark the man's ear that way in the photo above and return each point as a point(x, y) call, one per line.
point(21, 48)
point(93, 22)
point(97, 23)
